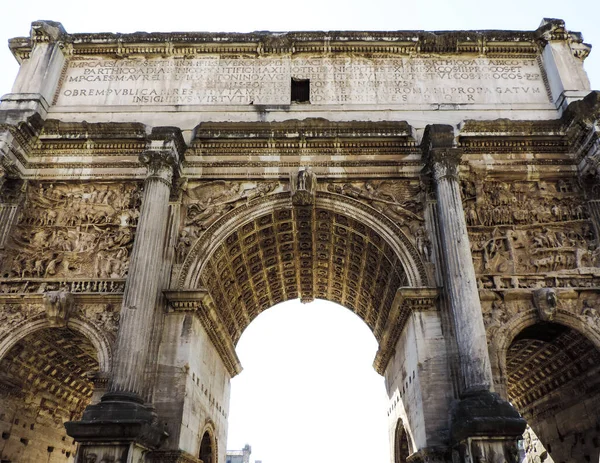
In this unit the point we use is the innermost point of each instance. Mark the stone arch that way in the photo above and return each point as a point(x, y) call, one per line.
point(401, 443)
point(100, 342)
point(501, 338)
point(356, 257)
point(549, 370)
point(208, 452)
point(49, 374)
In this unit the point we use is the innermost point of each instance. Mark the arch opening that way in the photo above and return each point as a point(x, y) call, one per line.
point(553, 379)
point(206, 449)
point(46, 377)
point(278, 256)
point(308, 376)
point(401, 445)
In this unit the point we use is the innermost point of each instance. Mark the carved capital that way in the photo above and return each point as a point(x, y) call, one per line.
point(47, 31)
point(164, 153)
point(440, 155)
point(160, 165)
point(552, 30)
point(444, 163)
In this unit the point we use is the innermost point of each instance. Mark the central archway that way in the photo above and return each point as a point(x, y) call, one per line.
point(273, 249)
point(269, 251)
point(308, 385)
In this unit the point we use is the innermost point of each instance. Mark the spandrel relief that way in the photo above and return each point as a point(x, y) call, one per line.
point(12, 314)
point(206, 202)
point(73, 230)
point(401, 201)
point(526, 229)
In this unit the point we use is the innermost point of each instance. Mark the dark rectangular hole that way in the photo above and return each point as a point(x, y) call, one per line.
point(300, 90)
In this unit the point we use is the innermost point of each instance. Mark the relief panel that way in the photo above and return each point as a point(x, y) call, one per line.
point(73, 230)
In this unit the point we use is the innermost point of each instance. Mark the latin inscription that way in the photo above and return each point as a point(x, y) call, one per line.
point(266, 81)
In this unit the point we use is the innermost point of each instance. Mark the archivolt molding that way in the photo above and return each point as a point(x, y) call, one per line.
point(202, 249)
point(99, 340)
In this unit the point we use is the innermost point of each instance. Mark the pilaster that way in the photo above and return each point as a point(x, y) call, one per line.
point(563, 55)
point(124, 413)
point(39, 74)
point(479, 412)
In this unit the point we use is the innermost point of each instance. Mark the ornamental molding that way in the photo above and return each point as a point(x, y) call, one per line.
point(185, 44)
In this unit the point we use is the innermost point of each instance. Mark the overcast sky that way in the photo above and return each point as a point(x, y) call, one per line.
point(308, 391)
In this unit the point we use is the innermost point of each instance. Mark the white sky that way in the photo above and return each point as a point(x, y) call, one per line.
point(308, 392)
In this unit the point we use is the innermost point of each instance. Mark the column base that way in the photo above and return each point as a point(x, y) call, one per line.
point(484, 414)
point(119, 419)
point(487, 449)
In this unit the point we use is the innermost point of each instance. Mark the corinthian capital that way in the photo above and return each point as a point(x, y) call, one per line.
point(161, 165)
point(440, 155)
point(444, 163)
point(164, 154)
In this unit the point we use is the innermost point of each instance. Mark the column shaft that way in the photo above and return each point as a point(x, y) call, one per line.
point(461, 284)
point(141, 292)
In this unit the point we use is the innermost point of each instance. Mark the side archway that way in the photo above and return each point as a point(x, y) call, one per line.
point(208, 446)
point(550, 372)
point(47, 374)
point(101, 344)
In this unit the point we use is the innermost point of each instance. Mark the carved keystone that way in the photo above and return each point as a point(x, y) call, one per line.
point(303, 185)
point(545, 301)
point(59, 306)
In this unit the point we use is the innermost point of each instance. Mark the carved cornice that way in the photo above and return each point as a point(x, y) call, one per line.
point(552, 30)
point(488, 43)
point(406, 301)
point(315, 128)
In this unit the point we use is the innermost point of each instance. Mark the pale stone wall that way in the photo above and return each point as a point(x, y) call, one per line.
point(193, 385)
point(418, 382)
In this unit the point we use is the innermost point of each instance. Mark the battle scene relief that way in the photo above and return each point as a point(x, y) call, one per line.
point(72, 231)
point(525, 232)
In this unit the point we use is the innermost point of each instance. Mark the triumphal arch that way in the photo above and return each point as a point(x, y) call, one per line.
point(158, 191)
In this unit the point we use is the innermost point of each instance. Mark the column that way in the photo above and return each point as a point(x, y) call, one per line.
point(460, 279)
point(141, 291)
point(124, 421)
point(482, 424)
